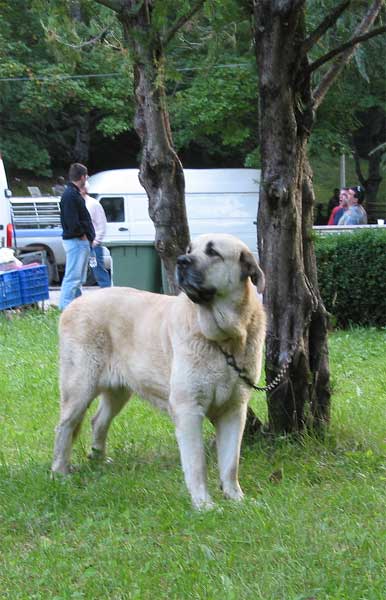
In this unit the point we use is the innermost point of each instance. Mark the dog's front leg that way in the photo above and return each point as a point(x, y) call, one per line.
point(188, 423)
point(229, 432)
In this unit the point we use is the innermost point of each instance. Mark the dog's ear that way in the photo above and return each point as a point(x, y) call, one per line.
point(250, 268)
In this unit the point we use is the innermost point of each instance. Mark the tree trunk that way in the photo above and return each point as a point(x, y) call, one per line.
point(297, 324)
point(372, 184)
point(81, 150)
point(161, 172)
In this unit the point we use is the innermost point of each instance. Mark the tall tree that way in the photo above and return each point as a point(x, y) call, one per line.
point(148, 28)
point(297, 319)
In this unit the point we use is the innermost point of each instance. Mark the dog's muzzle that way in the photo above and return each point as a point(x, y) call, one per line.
point(191, 280)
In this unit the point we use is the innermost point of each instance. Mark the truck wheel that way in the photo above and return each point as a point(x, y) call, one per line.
point(51, 271)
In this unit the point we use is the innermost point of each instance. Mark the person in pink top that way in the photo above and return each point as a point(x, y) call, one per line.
point(339, 210)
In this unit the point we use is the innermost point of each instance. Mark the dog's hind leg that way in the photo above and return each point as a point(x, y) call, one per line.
point(110, 404)
point(76, 398)
point(229, 432)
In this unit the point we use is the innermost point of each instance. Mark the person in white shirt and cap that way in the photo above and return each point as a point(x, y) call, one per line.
point(98, 218)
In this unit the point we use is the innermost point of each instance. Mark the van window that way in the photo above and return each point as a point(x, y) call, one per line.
point(114, 208)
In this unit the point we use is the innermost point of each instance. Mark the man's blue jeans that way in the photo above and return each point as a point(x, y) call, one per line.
point(101, 274)
point(77, 255)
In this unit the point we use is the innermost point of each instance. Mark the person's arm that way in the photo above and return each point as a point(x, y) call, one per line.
point(345, 219)
point(332, 215)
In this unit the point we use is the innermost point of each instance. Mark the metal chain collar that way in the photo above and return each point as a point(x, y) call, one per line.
point(231, 361)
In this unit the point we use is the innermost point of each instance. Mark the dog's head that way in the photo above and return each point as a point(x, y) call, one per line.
point(216, 265)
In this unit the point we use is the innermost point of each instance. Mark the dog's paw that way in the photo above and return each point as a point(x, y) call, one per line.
point(96, 454)
point(60, 474)
point(232, 492)
point(98, 457)
point(203, 504)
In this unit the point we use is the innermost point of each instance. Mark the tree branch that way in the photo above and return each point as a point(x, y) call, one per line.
point(115, 5)
point(358, 169)
point(181, 21)
point(324, 26)
point(379, 147)
point(283, 7)
point(353, 42)
point(346, 55)
point(98, 38)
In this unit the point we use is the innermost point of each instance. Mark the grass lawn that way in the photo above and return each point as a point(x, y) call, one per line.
point(127, 530)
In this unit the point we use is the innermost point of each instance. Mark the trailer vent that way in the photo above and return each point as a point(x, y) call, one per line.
point(36, 215)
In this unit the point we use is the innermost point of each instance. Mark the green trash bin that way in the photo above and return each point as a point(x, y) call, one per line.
point(136, 264)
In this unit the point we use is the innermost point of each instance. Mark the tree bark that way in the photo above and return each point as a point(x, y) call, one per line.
point(81, 149)
point(373, 181)
point(297, 319)
point(371, 184)
point(161, 172)
point(297, 324)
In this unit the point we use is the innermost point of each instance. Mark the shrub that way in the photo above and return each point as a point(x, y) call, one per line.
point(352, 276)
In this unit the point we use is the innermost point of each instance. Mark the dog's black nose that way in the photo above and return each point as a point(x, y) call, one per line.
point(184, 260)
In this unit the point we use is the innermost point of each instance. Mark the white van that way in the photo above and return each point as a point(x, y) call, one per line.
point(217, 201)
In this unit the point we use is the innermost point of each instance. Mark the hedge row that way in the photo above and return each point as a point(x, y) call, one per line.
point(352, 276)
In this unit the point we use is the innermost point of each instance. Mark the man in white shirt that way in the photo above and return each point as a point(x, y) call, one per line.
point(356, 214)
point(98, 218)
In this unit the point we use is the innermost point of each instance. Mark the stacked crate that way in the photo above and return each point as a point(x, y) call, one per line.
point(10, 292)
point(26, 285)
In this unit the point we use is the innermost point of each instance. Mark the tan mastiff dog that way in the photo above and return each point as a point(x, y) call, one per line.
point(120, 341)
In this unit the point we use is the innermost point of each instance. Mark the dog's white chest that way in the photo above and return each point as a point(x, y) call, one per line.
point(217, 389)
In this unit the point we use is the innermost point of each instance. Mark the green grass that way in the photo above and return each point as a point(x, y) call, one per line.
point(127, 530)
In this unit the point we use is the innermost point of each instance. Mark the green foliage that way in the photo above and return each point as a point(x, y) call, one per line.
point(359, 87)
point(205, 112)
point(253, 159)
point(27, 153)
point(214, 110)
point(40, 117)
point(212, 84)
point(127, 531)
point(351, 273)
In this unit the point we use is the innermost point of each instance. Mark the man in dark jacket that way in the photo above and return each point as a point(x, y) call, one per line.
point(78, 235)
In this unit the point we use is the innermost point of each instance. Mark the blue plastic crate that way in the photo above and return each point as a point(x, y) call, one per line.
point(34, 284)
point(10, 291)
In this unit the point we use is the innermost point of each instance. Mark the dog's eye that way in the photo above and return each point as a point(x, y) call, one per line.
point(210, 251)
point(188, 249)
